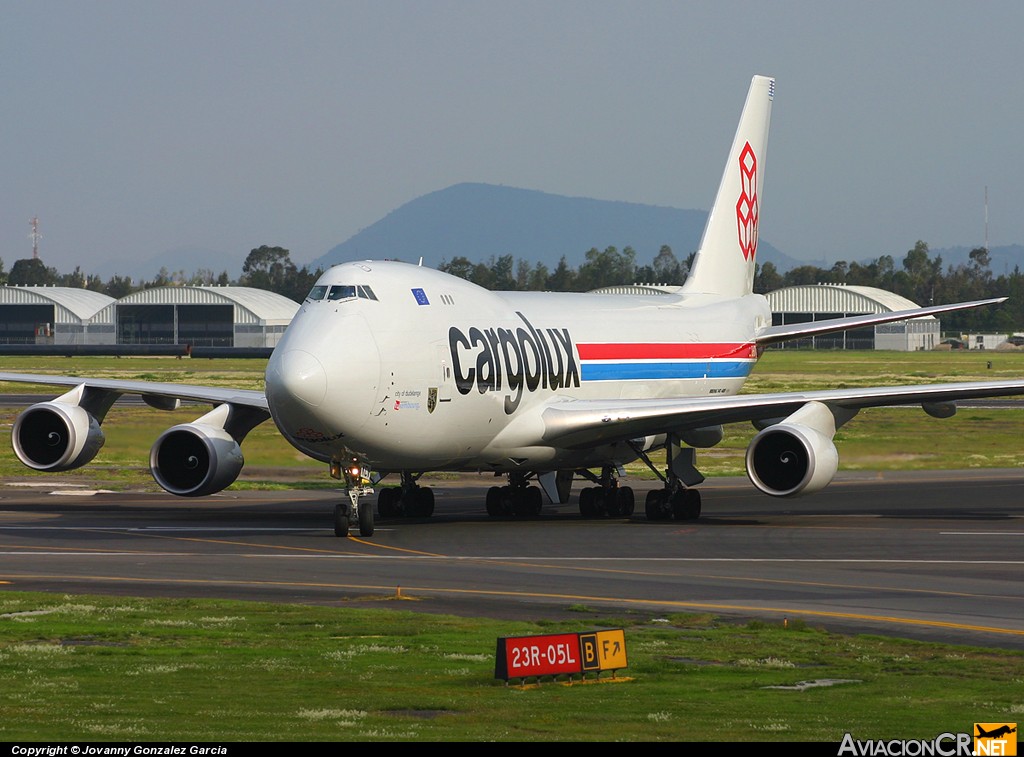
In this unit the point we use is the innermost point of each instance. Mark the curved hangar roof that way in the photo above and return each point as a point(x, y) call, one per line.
point(71, 305)
point(251, 305)
point(836, 298)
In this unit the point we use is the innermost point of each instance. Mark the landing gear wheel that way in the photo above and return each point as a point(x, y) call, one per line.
point(588, 507)
point(386, 502)
point(656, 505)
point(691, 504)
point(686, 504)
point(365, 519)
point(626, 501)
point(424, 503)
point(534, 501)
point(494, 501)
point(606, 502)
point(340, 521)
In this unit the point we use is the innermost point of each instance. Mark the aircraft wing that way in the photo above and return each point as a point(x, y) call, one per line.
point(584, 423)
point(151, 390)
point(774, 334)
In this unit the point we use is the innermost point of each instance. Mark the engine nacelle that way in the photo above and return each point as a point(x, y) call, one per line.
point(56, 436)
point(193, 460)
point(790, 459)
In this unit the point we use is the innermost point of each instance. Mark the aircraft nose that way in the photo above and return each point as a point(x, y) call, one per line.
point(299, 375)
point(322, 380)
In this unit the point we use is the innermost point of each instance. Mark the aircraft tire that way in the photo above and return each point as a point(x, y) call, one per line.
point(386, 502)
point(686, 504)
point(366, 519)
point(341, 521)
point(424, 502)
point(588, 508)
point(692, 504)
point(494, 501)
point(679, 505)
point(534, 501)
point(654, 506)
point(606, 502)
point(626, 501)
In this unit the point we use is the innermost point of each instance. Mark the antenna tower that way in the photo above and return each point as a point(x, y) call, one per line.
point(986, 218)
point(35, 236)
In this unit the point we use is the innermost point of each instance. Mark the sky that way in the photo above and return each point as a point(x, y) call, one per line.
point(138, 129)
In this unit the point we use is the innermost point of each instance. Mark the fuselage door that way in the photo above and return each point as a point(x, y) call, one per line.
point(444, 373)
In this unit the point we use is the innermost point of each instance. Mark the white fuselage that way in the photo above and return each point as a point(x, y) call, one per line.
point(407, 368)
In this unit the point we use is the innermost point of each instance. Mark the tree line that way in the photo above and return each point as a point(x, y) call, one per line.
point(918, 276)
point(265, 267)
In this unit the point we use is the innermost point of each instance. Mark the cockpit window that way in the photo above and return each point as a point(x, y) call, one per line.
point(341, 292)
point(317, 293)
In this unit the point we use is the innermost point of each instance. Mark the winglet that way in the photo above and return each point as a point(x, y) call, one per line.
point(725, 260)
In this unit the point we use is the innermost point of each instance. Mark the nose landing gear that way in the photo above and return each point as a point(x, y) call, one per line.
point(353, 512)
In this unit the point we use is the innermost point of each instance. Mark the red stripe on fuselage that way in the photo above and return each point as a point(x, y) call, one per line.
point(666, 351)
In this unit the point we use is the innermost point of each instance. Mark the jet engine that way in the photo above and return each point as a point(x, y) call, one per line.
point(194, 459)
point(56, 436)
point(797, 455)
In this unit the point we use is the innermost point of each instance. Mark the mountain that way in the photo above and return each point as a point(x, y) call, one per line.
point(478, 221)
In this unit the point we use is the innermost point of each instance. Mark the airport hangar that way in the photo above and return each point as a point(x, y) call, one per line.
point(819, 302)
point(203, 316)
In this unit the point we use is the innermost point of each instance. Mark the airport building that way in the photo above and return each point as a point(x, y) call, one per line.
point(226, 317)
point(47, 315)
point(819, 302)
point(200, 316)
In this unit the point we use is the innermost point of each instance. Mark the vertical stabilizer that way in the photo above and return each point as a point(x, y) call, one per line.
point(725, 260)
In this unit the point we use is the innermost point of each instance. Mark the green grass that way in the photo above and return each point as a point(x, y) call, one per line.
point(797, 370)
point(129, 669)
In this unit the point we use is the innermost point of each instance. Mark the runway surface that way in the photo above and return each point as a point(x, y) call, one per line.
point(930, 555)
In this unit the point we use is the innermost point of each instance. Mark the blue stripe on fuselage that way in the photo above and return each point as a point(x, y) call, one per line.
point(648, 371)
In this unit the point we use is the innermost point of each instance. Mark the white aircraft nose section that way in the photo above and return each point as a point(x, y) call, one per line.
point(302, 376)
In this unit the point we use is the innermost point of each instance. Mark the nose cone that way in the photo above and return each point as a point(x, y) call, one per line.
point(297, 375)
point(322, 380)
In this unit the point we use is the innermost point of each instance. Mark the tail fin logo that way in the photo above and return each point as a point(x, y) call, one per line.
point(746, 206)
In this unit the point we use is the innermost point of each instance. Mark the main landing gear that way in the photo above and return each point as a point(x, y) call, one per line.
point(408, 500)
point(518, 498)
point(676, 499)
point(607, 499)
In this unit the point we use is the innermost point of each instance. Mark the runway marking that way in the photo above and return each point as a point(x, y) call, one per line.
point(981, 533)
point(69, 550)
point(659, 603)
point(149, 531)
point(281, 547)
point(146, 529)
